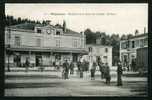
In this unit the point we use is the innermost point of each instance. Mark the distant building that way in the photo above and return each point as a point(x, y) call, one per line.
point(47, 43)
point(96, 51)
point(129, 47)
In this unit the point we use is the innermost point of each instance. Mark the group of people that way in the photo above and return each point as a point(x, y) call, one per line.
point(68, 68)
point(82, 66)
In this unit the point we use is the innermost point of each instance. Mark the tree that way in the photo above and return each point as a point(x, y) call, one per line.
point(90, 36)
point(123, 37)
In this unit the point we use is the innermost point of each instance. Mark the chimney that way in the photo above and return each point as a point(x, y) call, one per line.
point(144, 30)
point(82, 33)
point(64, 26)
point(48, 22)
point(136, 32)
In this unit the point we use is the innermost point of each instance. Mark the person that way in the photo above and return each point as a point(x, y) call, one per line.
point(54, 64)
point(87, 66)
point(71, 68)
point(133, 65)
point(41, 64)
point(107, 74)
point(57, 65)
point(81, 69)
point(93, 69)
point(100, 64)
point(103, 70)
point(119, 74)
point(78, 67)
point(27, 63)
point(66, 69)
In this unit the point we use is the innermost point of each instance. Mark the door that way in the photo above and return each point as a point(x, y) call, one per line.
point(37, 59)
point(17, 60)
point(75, 57)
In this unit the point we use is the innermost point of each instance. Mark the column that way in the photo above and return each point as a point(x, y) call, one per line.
point(51, 53)
point(29, 57)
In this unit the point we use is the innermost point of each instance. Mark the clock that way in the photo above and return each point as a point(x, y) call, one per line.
point(48, 31)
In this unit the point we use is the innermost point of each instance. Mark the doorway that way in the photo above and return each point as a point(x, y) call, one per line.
point(17, 60)
point(75, 57)
point(37, 59)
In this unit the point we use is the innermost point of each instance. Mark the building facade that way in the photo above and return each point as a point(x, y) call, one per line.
point(46, 43)
point(129, 47)
point(96, 51)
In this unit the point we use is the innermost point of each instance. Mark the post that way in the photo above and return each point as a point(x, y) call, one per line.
point(51, 58)
point(29, 57)
point(8, 66)
point(9, 44)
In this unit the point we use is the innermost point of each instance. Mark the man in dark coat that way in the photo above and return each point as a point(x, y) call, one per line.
point(100, 64)
point(119, 74)
point(133, 64)
point(107, 74)
point(93, 69)
point(81, 69)
point(66, 69)
point(27, 63)
point(71, 67)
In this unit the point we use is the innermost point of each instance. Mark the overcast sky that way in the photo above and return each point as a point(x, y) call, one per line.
point(109, 18)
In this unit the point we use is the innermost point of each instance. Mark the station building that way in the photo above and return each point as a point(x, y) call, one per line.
point(46, 43)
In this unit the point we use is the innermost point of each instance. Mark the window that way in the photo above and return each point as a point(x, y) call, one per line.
point(137, 43)
point(57, 32)
point(75, 44)
point(17, 40)
point(145, 41)
point(90, 49)
point(58, 57)
point(39, 30)
point(38, 42)
point(124, 45)
point(141, 42)
point(105, 57)
point(8, 37)
point(57, 43)
point(106, 50)
point(133, 44)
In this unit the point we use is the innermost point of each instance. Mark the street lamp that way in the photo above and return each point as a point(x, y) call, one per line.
point(128, 45)
point(8, 47)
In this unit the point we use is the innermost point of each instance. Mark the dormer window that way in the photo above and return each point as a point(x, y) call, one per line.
point(39, 30)
point(58, 32)
point(48, 31)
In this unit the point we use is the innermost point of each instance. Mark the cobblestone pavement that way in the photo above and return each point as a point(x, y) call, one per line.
point(50, 83)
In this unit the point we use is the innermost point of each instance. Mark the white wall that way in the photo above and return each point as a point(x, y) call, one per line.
point(30, 39)
point(99, 50)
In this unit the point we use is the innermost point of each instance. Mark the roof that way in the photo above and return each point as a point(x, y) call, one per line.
point(30, 26)
point(25, 26)
point(137, 36)
point(71, 32)
point(140, 35)
point(98, 45)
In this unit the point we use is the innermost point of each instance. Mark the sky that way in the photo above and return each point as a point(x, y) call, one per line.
point(110, 18)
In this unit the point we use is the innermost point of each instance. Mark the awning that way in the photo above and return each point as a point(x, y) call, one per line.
point(55, 49)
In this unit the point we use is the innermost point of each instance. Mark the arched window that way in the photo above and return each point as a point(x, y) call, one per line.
point(90, 49)
point(57, 32)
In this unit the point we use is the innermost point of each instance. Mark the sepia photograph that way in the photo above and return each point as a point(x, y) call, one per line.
point(81, 49)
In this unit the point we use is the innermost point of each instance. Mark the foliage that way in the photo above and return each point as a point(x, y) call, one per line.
point(10, 20)
point(106, 39)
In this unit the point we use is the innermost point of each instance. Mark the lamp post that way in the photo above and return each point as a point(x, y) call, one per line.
point(8, 47)
point(128, 45)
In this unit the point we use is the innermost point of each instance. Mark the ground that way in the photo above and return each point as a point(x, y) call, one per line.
point(50, 83)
